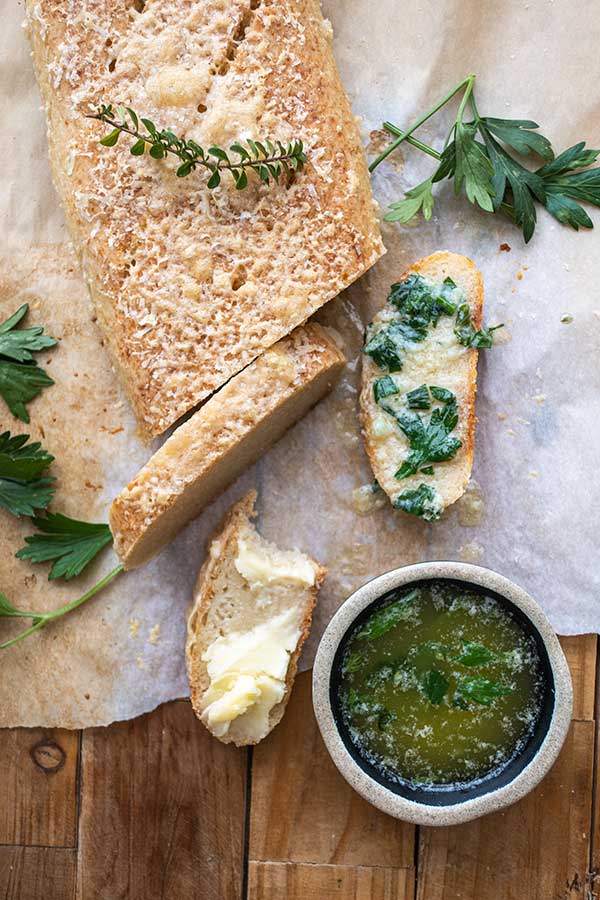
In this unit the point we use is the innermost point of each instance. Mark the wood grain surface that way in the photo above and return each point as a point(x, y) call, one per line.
point(157, 809)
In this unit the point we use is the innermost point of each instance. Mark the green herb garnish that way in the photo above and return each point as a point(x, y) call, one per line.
point(420, 305)
point(478, 690)
point(7, 610)
point(419, 398)
point(435, 686)
point(70, 543)
point(24, 487)
point(268, 159)
point(473, 654)
point(386, 618)
point(475, 155)
point(430, 441)
point(467, 335)
point(423, 502)
point(21, 379)
point(384, 387)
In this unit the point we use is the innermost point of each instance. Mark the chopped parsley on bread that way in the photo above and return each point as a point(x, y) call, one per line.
point(250, 615)
point(419, 376)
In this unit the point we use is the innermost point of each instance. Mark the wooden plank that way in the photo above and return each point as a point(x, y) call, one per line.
point(581, 652)
point(162, 811)
point(302, 810)
point(537, 849)
point(37, 873)
point(38, 787)
point(297, 881)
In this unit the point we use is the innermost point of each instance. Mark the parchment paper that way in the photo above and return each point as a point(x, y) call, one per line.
point(530, 511)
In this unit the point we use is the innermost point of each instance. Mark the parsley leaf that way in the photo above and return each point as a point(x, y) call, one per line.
point(435, 686)
point(419, 398)
point(23, 486)
point(387, 618)
point(385, 347)
point(473, 167)
point(474, 654)
point(423, 502)
point(477, 157)
point(467, 335)
point(430, 441)
point(21, 380)
point(478, 689)
point(419, 198)
point(384, 387)
point(20, 344)
point(70, 543)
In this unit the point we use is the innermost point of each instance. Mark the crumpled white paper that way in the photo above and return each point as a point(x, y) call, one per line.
point(530, 510)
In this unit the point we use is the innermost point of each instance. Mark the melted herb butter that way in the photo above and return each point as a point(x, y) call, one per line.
point(440, 685)
point(415, 306)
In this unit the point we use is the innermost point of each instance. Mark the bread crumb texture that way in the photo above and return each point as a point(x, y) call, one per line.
point(226, 435)
point(189, 284)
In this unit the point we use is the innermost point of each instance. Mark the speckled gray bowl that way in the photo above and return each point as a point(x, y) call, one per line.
point(446, 806)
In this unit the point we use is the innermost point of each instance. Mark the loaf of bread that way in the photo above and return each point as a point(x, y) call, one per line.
point(225, 436)
point(438, 361)
point(190, 285)
point(249, 618)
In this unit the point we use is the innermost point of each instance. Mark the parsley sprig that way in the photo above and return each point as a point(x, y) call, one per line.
point(475, 155)
point(69, 543)
point(39, 620)
point(21, 379)
point(24, 485)
point(268, 159)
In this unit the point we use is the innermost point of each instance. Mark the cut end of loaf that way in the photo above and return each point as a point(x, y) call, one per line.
point(229, 433)
point(250, 615)
point(439, 361)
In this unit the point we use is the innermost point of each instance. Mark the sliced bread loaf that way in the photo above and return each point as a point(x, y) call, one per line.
point(190, 284)
point(225, 436)
point(412, 346)
point(250, 615)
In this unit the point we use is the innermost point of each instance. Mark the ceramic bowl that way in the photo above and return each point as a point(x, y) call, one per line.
point(444, 805)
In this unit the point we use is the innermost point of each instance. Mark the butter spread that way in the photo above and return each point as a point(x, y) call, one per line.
point(258, 569)
point(247, 674)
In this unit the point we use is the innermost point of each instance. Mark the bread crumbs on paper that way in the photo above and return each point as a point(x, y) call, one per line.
point(539, 398)
point(154, 636)
point(140, 662)
point(134, 627)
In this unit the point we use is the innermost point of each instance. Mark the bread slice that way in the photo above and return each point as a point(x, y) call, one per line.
point(190, 285)
point(439, 360)
point(225, 436)
point(250, 615)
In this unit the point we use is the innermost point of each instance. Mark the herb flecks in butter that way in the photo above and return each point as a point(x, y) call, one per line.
point(429, 441)
point(418, 305)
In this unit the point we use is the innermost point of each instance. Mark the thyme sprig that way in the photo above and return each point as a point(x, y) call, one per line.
point(269, 159)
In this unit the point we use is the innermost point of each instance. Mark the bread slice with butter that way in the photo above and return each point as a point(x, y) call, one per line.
point(440, 361)
point(250, 615)
point(225, 436)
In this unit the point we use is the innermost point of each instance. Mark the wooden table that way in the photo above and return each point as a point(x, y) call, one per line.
point(155, 809)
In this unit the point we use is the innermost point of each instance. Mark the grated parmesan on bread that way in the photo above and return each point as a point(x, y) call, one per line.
point(250, 615)
point(440, 360)
point(225, 436)
point(190, 285)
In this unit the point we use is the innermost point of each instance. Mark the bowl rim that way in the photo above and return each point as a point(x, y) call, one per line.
point(374, 792)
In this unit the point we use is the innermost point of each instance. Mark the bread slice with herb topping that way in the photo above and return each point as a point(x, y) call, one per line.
point(225, 436)
point(250, 615)
point(418, 384)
